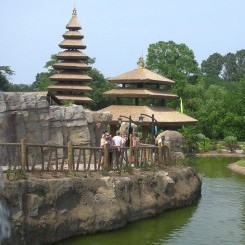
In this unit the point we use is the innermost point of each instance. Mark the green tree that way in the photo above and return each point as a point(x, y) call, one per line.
point(99, 85)
point(230, 67)
point(172, 60)
point(230, 72)
point(42, 79)
point(212, 67)
point(5, 73)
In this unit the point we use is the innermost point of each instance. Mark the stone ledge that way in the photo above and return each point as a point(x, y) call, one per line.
point(47, 211)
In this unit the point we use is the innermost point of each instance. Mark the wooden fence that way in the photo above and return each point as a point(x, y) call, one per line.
point(32, 157)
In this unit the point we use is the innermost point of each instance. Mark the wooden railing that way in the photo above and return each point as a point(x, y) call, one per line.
point(32, 157)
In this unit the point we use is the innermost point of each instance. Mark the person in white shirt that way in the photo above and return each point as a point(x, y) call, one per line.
point(118, 141)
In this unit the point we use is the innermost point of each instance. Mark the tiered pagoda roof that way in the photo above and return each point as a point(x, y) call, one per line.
point(141, 85)
point(71, 79)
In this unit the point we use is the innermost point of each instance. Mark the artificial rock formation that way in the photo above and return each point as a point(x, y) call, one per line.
point(43, 211)
point(28, 115)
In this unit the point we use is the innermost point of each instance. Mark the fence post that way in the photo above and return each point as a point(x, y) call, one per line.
point(160, 155)
point(130, 149)
point(23, 153)
point(70, 156)
point(106, 155)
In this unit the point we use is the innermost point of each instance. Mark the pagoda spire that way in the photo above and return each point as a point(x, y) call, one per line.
point(141, 62)
point(71, 79)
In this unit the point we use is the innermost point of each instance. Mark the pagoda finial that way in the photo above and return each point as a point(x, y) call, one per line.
point(141, 62)
point(74, 12)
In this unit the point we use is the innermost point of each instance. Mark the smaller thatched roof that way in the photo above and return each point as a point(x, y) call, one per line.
point(69, 77)
point(73, 23)
point(72, 44)
point(75, 98)
point(165, 116)
point(71, 66)
point(71, 54)
point(69, 87)
point(139, 93)
point(141, 75)
point(73, 35)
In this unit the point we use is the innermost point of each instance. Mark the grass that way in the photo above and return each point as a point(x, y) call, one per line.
point(241, 163)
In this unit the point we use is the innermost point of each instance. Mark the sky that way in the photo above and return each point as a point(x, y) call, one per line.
point(116, 33)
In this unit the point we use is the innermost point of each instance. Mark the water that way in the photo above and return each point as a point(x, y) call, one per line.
point(4, 214)
point(217, 218)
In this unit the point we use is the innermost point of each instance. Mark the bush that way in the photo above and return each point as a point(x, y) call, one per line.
point(231, 143)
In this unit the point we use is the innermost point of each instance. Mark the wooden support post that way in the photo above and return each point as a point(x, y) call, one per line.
point(70, 156)
point(23, 153)
point(106, 155)
point(160, 155)
point(130, 148)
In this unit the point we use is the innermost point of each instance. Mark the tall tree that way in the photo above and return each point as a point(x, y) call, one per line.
point(175, 61)
point(99, 85)
point(172, 60)
point(5, 73)
point(230, 68)
point(212, 67)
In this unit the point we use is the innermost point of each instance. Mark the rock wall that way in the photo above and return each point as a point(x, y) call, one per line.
point(47, 210)
point(28, 115)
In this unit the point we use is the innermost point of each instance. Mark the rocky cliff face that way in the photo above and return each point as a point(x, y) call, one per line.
point(47, 210)
point(28, 115)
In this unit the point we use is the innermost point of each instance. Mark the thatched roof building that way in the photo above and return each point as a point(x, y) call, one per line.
point(70, 82)
point(139, 88)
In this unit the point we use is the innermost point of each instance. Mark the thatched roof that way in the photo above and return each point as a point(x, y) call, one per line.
point(69, 87)
point(69, 77)
point(73, 23)
point(74, 98)
point(73, 35)
point(141, 75)
point(164, 115)
point(72, 44)
point(71, 66)
point(139, 93)
point(72, 55)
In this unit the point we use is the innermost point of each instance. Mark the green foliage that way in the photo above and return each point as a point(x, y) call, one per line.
point(230, 140)
point(174, 61)
point(5, 73)
point(241, 162)
point(68, 103)
point(212, 67)
point(99, 85)
point(190, 139)
point(231, 143)
point(42, 81)
point(205, 145)
point(105, 170)
point(230, 66)
point(125, 168)
point(14, 173)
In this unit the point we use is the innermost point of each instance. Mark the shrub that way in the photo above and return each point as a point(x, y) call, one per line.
point(231, 143)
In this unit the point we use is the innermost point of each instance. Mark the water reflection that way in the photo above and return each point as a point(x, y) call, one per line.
point(217, 218)
point(147, 231)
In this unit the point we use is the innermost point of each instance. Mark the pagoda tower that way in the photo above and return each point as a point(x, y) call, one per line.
point(70, 82)
point(141, 87)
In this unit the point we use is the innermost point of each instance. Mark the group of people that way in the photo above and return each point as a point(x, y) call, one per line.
point(119, 140)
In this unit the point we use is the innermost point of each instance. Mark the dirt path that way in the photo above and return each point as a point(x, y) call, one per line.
point(236, 168)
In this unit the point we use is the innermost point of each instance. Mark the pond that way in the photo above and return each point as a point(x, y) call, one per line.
point(218, 217)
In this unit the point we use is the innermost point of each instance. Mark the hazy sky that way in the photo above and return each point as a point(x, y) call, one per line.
point(116, 33)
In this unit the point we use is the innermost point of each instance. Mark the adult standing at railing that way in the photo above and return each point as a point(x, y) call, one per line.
point(117, 142)
point(106, 142)
point(165, 144)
